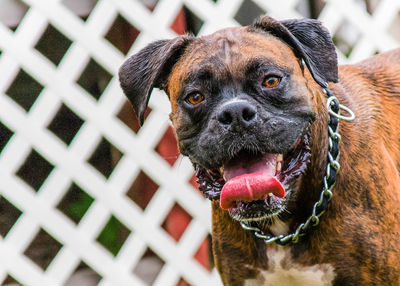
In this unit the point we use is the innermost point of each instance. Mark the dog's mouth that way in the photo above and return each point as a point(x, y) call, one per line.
point(255, 185)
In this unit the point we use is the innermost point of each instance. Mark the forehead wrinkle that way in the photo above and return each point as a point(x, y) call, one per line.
point(261, 62)
point(224, 43)
point(210, 68)
point(225, 50)
point(203, 73)
point(228, 49)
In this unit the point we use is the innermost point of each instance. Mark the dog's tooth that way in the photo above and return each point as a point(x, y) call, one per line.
point(278, 166)
point(221, 171)
point(297, 143)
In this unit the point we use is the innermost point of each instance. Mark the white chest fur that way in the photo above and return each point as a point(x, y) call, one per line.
point(284, 272)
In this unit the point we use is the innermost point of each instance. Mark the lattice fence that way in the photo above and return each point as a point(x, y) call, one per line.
point(84, 194)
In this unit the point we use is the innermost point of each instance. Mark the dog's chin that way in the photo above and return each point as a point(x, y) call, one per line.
point(258, 210)
point(282, 169)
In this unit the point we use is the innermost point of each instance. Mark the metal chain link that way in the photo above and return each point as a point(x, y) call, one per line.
point(332, 169)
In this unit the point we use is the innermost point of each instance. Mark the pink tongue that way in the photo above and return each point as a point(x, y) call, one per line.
point(249, 187)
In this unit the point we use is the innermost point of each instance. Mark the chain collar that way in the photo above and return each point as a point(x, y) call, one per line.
point(332, 169)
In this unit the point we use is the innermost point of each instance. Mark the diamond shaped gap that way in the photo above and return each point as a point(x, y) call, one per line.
point(371, 5)
point(247, 12)
point(113, 235)
point(43, 249)
point(167, 147)
point(176, 222)
point(193, 23)
point(203, 254)
point(94, 79)
point(10, 281)
point(65, 124)
point(9, 215)
point(5, 135)
point(122, 34)
point(151, 5)
point(195, 185)
point(179, 23)
point(53, 44)
point(105, 158)
point(186, 21)
point(148, 267)
point(81, 8)
point(142, 190)
point(35, 170)
point(310, 8)
point(83, 275)
point(182, 282)
point(128, 116)
point(394, 28)
point(75, 203)
point(12, 13)
point(24, 90)
point(193, 181)
point(346, 37)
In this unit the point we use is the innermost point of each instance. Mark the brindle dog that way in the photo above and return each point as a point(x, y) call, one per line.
point(250, 100)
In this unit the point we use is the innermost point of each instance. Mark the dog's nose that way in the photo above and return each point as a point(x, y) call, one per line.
point(237, 114)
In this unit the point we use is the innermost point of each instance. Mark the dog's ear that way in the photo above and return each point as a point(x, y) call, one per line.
point(309, 40)
point(149, 68)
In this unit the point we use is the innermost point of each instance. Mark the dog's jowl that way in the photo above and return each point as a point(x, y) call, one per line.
point(302, 192)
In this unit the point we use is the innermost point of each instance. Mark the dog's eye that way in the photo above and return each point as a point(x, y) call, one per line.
point(271, 81)
point(194, 98)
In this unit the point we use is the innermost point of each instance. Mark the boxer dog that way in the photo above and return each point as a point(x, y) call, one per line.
point(249, 107)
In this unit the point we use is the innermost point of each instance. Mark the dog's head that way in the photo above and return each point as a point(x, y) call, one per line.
point(242, 106)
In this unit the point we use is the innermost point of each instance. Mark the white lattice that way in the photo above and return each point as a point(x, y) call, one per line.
point(345, 19)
